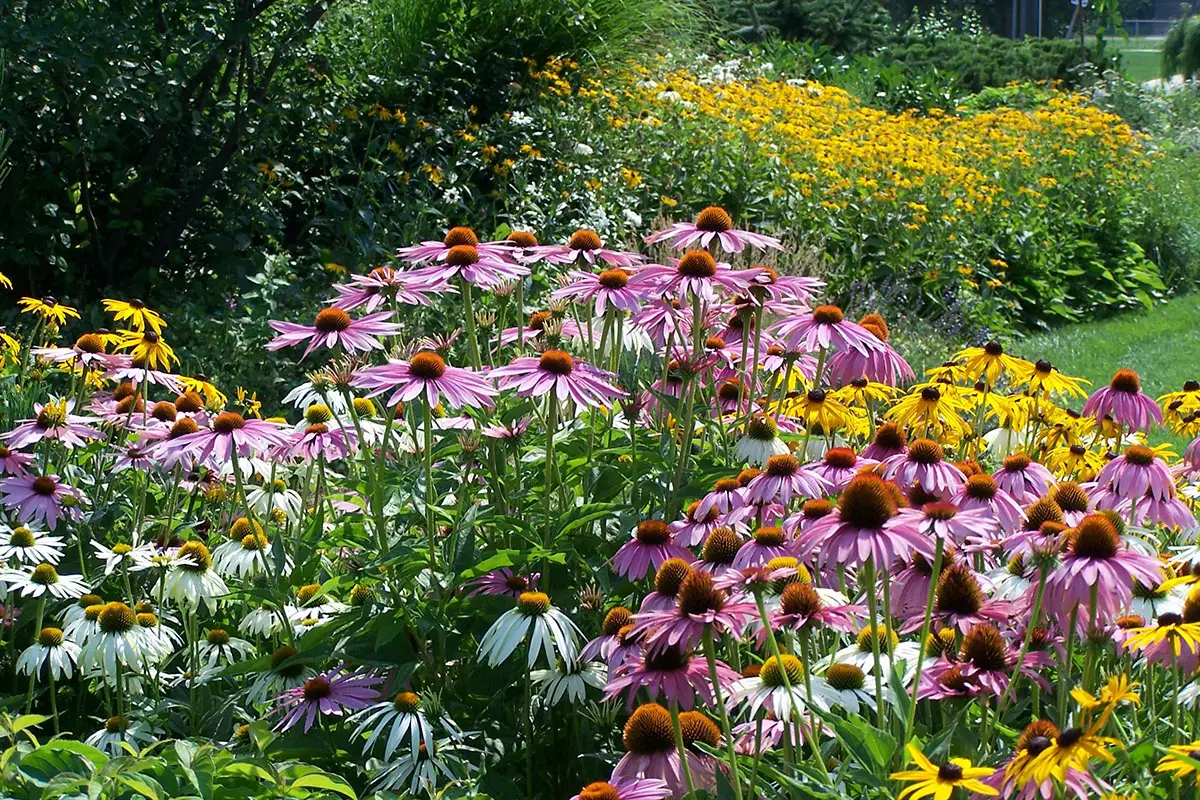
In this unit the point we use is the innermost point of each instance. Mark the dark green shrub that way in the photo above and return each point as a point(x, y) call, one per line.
point(1181, 48)
point(846, 27)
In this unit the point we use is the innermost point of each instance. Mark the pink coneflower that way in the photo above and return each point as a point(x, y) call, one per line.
point(719, 552)
point(1170, 642)
point(608, 288)
point(331, 694)
point(695, 527)
point(470, 264)
point(379, 286)
point(333, 328)
point(1097, 560)
point(980, 493)
point(625, 789)
point(506, 431)
point(1137, 473)
point(12, 463)
point(772, 289)
point(802, 607)
point(1170, 513)
point(1123, 400)
point(585, 246)
point(136, 457)
point(53, 421)
point(986, 660)
point(88, 350)
point(765, 735)
point(726, 496)
point(663, 321)
point(455, 237)
point(766, 544)
point(557, 372)
point(924, 464)
point(41, 497)
point(670, 672)
point(712, 223)
point(1023, 478)
point(890, 440)
point(650, 545)
point(946, 521)
point(667, 580)
point(541, 321)
point(602, 646)
point(230, 431)
point(838, 466)
point(1192, 454)
point(426, 374)
point(136, 372)
point(959, 602)
point(911, 579)
point(651, 753)
point(882, 365)
point(864, 527)
point(318, 439)
point(697, 275)
point(782, 480)
point(503, 582)
point(826, 327)
point(700, 605)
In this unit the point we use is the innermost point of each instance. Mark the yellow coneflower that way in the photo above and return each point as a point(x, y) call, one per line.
point(148, 348)
point(249, 402)
point(949, 372)
point(4, 281)
point(1073, 748)
point(979, 401)
point(933, 408)
point(140, 318)
point(989, 362)
point(1119, 689)
point(1074, 461)
point(1181, 760)
point(201, 385)
point(1043, 378)
point(861, 393)
point(48, 309)
point(817, 408)
point(940, 780)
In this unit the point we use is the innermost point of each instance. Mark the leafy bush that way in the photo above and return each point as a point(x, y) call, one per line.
point(1181, 48)
point(844, 26)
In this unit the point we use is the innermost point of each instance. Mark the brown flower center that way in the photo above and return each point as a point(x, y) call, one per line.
point(653, 532)
point(460, 235)
point(1139, 455)
point(649, 731)
point(827, 315)
point(866, 503)
point(714, 219)
point(584, 239)
point(697, 264)
point(44, 485)
point(616, 619)
point(721, 546)
point(925, 451)
point(332, 320)
point(462, 255)
point(671, 575)
point(984, 647)
point(1126, 380)
point(228, 422)
point(427, 366)
point(782, 466)
point(556, 362)
point(1096, 537)
point(614, 279)
point(698, 594)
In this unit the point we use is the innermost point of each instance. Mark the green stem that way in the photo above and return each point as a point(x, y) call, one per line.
point(938, 552)
point(710, 652)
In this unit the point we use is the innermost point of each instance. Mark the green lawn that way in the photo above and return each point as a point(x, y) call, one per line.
point(1162, 345)
point(1141, 57)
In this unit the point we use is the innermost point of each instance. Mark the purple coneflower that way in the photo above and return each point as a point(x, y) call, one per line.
point(826, 327)
point(503, 582)
point(712, 223)
point(727, 495)
point(379, 286)
point(959, 602)
point(782, 480)
point(696, 275)
point(719, 552)
point(469, 263)
point(667, 581)
point(609, 288)
point(1023, 478)
point(890, 440)
point(766, 544)
point(602, 646)
point(12, 463)
point(651, 753)
point(864, 527)
point(1098, 561)
point(1137, 473)
point(333, 328)
point(695, 527)
point(585, 246)
point(54, 421)
point(458, 236)
point(88, 351)
point(882, 365)
point(331, 694)
point(946, 521)
point(838, 466)
point(924, 463)
point(41, 497)
point(803, 607)
point(318, 439)
point(230, 432)
point(980, 493)
point(557, 372)
point(625, 789)
point(1123, 400)
point(700, 604)
point(651, 544)
point(427, 374)
point(671, 672)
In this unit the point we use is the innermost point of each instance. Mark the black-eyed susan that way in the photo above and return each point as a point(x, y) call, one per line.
point(148, 349)
point(47, 309)
point(1181, 760)
point(862, 393)
point(1073, 748)
point(4, 281)
point(989, 362)
point(932, 410)
point(136, 314)
point(1043, 378)
point(940, 780)
point(1075, 461)
point(817, 408)
point(949, 372)
point(201, 385)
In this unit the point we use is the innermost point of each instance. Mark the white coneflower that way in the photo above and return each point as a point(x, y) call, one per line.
point(29, 545)
point(122, 730)
point(275, 496)
point(191, 579)
point(403, 719)
point(760, 441)
point(53, 649)
point(219, 647)
point(83, 627)
point(261, 622)
point(549, 630)
point(119, 640)
point(845, 686)
point(861, 653)
point(418, 774)
point(313, 603)
point(286, 672)
point(770, 690)
point(245, 556)
point(568, 680)
point(159, 640)
point(76, 610)
point(124, 556)
point(44, 580)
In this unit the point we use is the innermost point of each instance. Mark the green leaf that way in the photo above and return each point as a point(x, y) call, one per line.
point(321, 780)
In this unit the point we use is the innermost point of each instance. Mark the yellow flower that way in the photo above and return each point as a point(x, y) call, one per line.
point(1073, 748)
point(48, 309)
point(138, 315)
point(4, 281)
point(633, 178)
point(1042, 377)
point(989, 362)
point(932, 409)
point(1181, 761)
point(821, 412)
point(854, 394)
point(1074, 461)
point(249, 402)
point(213, 396)
point(148, 349)
point(939, 781)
